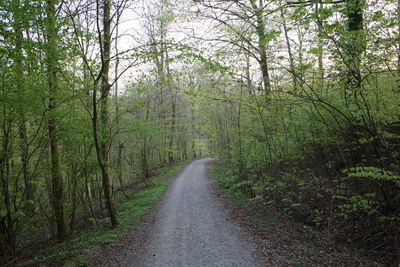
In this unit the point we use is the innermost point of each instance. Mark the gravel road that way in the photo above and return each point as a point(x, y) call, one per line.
point(193, 229)
point(189, 227)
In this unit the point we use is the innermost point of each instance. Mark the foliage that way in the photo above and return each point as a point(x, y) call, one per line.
point(322, 145)
point(107, 136)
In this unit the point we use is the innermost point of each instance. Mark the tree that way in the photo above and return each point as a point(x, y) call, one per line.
point(103, 139)
point(353, 44)
point(251, 14)
point(52, 55)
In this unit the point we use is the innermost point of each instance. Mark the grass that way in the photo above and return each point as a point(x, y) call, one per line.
point(130, 210)
point(226, 183)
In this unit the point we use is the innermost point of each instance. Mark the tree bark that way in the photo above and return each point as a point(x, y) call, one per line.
point(193, 135)
point(398, 45)
point(320, 45)
point(120, 145)
point(291, 59)
point(104, 113)
point(354, 46)
point(56, 173)
point(171, 141)
point(262, 44)
point(9, 231)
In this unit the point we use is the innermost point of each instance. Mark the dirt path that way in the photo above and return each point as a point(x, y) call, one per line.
point(189, 227)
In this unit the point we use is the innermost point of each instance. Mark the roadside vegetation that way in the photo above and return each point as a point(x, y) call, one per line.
point(315, 132)
point(283, 240)
point(79, 249)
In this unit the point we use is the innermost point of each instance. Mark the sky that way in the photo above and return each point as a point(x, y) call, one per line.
point(190, 29)
point(186, 28)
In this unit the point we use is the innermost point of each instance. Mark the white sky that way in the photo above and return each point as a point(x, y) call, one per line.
point(187, 25)
point(182, 30)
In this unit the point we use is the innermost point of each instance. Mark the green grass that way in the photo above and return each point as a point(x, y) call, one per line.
point(130, 210)
point(220, 174)
point(226, 183)
point(170, 171)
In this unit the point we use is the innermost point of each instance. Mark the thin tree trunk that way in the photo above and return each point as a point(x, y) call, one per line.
point(248, 76)
point(56, 173)
point(173, 106)
point(398, 45)
point(300, 73)
point(119, 170)
point(289, 49)
point(104, 113)
point(320, 45)
point(193, 135)
point(242, 174)
point(120, 145)
point(262, 44)
point(171, 140)
point(10, 237)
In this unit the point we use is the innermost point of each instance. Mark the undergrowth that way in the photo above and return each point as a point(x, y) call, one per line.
point(130, 210)
point(298, 243)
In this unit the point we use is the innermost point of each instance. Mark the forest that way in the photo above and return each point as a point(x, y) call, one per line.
point(298, 99)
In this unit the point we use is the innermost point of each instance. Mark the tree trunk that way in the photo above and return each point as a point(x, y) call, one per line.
point(57, 179)
point(193, 135)
point(289, 49)
point(119, 169)
point(262, 44)
point(301, 71)
point(320, 46)
point(104, 113)
point(248, 75)
point(171, 140)
point(354, 46)
point(398, 45)
point(242, 174)
point(120, 145)
point(9, 231)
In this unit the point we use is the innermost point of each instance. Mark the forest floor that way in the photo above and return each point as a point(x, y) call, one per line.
point(289, 243)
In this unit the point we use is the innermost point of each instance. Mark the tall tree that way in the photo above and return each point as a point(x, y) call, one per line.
point(250, 16)
point(52, 57)
point(105, 132)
